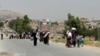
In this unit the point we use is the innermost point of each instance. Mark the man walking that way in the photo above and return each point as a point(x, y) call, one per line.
point(34, 35)
point(1, 36)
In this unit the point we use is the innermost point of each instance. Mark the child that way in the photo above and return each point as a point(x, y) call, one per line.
point(79, 40)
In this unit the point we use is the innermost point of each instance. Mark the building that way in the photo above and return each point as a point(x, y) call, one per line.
point(90, 23)
point(45, 25)
point(96, 23)
point(84, 20)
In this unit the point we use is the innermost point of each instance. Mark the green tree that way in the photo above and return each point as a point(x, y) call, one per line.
point(1, 24)
point(21, 25)
point(12, 24)
point(26, 19)
point(72, 22)
point(28, 28)
point(75, 22)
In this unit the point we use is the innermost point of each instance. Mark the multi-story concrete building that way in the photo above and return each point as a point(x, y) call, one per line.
point(90, 23)
point(86, 22)
point(96, 23)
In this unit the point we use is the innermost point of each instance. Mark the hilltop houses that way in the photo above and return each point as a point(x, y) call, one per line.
point(90, 23)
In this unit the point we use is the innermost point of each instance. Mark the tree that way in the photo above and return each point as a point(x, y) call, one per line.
point(12, 24)
point(26, 19)
point(72, 22)
point(21, 25)
point(75, 22)
point(1, 24)
point(28, 28)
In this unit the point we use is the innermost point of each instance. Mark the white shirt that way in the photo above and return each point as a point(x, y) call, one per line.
point(69, 34)
point(37, 35)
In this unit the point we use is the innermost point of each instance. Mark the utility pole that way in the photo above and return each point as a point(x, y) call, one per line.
point(39, 25)
point(98, 31)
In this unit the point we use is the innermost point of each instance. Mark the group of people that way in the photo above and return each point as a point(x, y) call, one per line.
point(42, 35)
point(19, 36)
point(74, 39)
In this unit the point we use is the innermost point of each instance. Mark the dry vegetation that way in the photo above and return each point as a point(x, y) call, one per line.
point(87, 41)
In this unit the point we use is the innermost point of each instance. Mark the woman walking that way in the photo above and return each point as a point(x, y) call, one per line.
point(46, 38)
point(34, 35)
point(69, 39)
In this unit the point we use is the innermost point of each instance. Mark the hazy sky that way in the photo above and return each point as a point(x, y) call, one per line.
point(53, 9)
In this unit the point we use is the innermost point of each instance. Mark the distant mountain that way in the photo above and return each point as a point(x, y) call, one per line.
point(8, 15)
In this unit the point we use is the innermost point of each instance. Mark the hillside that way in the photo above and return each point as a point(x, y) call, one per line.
point(8, 15)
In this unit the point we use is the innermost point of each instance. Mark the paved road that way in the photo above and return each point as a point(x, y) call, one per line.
point(25, 47)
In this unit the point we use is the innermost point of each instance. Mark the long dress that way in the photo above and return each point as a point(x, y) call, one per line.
point(34, 37)
point(74, 34)
point(69, 38)
point(46, 38)
point(41, 36)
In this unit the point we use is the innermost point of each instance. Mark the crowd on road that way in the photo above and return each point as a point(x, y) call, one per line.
point(73, 37)
point(43, 36)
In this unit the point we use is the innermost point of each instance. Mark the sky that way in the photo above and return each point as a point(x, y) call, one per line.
point(55, 10)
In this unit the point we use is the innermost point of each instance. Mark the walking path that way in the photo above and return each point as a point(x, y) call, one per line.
point(24, 47)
